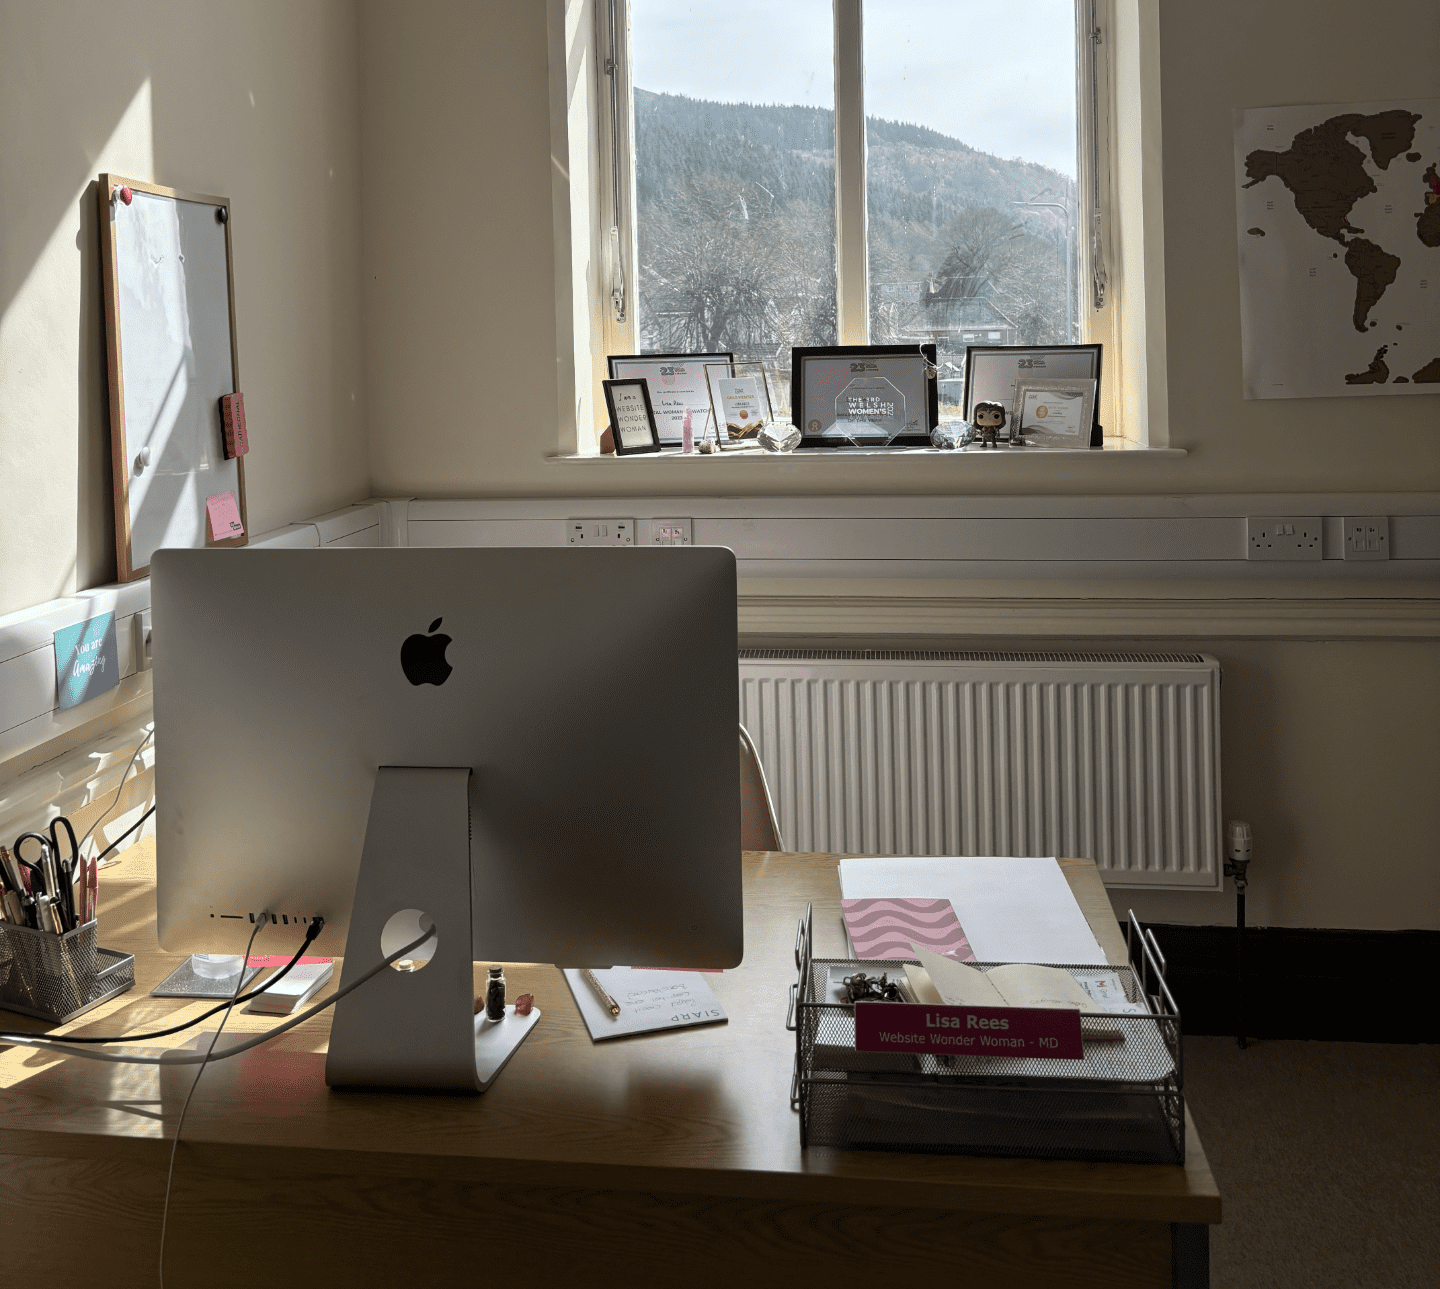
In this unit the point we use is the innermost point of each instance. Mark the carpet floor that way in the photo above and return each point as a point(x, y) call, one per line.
point(1328, 1160)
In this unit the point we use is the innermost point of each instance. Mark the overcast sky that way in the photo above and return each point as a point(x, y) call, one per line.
point(998, 76)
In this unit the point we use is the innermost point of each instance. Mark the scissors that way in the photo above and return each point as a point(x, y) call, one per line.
point(53, 896)
point(72, 871)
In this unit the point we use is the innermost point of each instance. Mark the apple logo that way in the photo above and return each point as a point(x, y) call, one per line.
point(422, 658)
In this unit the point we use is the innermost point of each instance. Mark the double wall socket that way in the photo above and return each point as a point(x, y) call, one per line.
point(600, 532)
point(1367, 536)
point(671, 532)
point(1283, 537)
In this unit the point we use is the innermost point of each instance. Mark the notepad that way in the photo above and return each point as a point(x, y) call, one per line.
point(885, 928)
point(649, 1001)
point(300, 984)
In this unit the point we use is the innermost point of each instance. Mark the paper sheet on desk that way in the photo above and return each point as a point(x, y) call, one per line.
point(1012, 909)
point(649, 1000)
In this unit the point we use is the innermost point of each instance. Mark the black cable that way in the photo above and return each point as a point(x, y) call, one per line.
point(150, 733)
point(184, 1109)
point(314, 929)
point(138, 823)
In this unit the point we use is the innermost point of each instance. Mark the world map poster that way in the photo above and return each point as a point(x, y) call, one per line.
point(1338, 220)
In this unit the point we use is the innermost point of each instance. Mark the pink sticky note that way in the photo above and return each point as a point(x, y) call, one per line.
point(224, 516)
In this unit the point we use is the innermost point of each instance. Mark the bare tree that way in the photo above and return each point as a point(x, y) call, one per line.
point(722, 269)
point(983, 247)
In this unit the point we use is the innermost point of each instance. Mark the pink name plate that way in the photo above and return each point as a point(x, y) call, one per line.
point(968, 1031)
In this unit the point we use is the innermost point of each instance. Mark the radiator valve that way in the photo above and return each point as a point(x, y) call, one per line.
point(1238, 844)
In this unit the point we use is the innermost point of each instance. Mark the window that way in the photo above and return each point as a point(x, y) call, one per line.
point(862, 171)
point(1088, 264)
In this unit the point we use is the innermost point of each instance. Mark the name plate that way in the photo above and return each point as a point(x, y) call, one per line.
point(968, 1031)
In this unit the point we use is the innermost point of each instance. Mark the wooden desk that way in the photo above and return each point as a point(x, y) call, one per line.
point(665, 1158)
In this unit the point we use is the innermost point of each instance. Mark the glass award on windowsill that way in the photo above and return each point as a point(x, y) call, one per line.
point(869, 413)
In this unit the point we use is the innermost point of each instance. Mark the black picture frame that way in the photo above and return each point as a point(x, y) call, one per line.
point(924, 359)
point(624, 366)
point(621, 449)
point(972, 352)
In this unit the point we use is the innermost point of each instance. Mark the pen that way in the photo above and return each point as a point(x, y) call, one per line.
point(10, 905)
point(593, 981)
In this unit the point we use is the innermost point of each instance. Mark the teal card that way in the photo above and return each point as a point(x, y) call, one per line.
point(87, 660)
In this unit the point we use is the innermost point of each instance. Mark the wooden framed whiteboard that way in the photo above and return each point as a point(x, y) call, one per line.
point(170, 341)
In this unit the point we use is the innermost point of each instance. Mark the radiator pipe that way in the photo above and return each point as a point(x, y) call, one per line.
point(1240, 959)
point(1238, 844)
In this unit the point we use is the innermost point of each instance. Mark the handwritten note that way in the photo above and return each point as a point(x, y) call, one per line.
point(649, 1000)
point(224, 516)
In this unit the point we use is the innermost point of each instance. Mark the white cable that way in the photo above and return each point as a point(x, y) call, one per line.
point(88, 1054)
point(263, 920)
point(149, 734)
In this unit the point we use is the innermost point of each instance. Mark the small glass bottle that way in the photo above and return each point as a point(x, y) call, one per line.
point(495, 995)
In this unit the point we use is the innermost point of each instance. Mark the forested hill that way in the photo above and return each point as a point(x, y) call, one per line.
point(915, 173)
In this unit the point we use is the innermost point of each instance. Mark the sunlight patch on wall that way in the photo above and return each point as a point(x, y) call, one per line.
point(40, 347)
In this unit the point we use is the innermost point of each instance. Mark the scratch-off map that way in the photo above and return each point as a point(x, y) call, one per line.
point(1338, 218)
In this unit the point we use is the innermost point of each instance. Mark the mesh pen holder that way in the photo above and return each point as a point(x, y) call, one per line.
point(59, 977)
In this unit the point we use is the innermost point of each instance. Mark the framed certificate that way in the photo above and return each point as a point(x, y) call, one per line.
point(631, 416)
point(677, 385)
point(1055, 413)
point(740, 402)
point(993, 371)
point(864, 395)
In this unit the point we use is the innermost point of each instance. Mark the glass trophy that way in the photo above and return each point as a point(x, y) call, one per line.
point(869, 412)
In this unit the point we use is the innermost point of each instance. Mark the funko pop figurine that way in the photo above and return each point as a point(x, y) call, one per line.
point(988, 419)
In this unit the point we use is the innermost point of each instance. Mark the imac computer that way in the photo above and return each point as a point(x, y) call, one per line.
point(531, 751)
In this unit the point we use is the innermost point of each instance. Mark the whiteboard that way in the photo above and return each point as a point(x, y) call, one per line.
point(170, 326)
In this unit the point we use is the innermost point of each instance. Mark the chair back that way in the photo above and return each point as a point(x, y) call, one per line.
point(759, 828)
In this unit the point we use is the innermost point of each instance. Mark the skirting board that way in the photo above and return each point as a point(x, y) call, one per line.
point(1337, 985)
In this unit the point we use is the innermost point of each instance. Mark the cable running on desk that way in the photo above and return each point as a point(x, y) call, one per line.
point(31, 1040)
point(316, 926)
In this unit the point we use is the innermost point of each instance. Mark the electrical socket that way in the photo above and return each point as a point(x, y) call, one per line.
point(1283, 537)
point(671, 532)
point(140, 625)
point(1367, 536)
point(600, 532)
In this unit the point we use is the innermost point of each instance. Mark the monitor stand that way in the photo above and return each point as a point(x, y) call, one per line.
point(417, 1028)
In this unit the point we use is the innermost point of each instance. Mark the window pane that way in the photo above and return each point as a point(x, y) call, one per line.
point(734, 177)
point(971, 164)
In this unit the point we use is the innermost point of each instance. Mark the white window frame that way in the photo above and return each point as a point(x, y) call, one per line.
point(1121, 296)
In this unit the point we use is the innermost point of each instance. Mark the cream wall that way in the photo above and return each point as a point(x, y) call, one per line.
point(459, 244)
point(256, 101)
point(460, 273)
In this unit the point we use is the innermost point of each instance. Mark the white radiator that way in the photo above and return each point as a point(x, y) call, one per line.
point(1114, 757)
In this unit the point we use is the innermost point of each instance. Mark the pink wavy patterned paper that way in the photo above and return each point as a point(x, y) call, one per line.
point(883, 929)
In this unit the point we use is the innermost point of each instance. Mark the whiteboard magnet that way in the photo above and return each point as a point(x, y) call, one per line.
point(142, 459)
point(125, 195)
point(221, 215)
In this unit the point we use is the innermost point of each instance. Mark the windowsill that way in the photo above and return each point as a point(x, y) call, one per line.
point(1113, 448)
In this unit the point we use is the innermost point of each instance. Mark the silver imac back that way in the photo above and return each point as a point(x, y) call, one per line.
point(592, 693)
